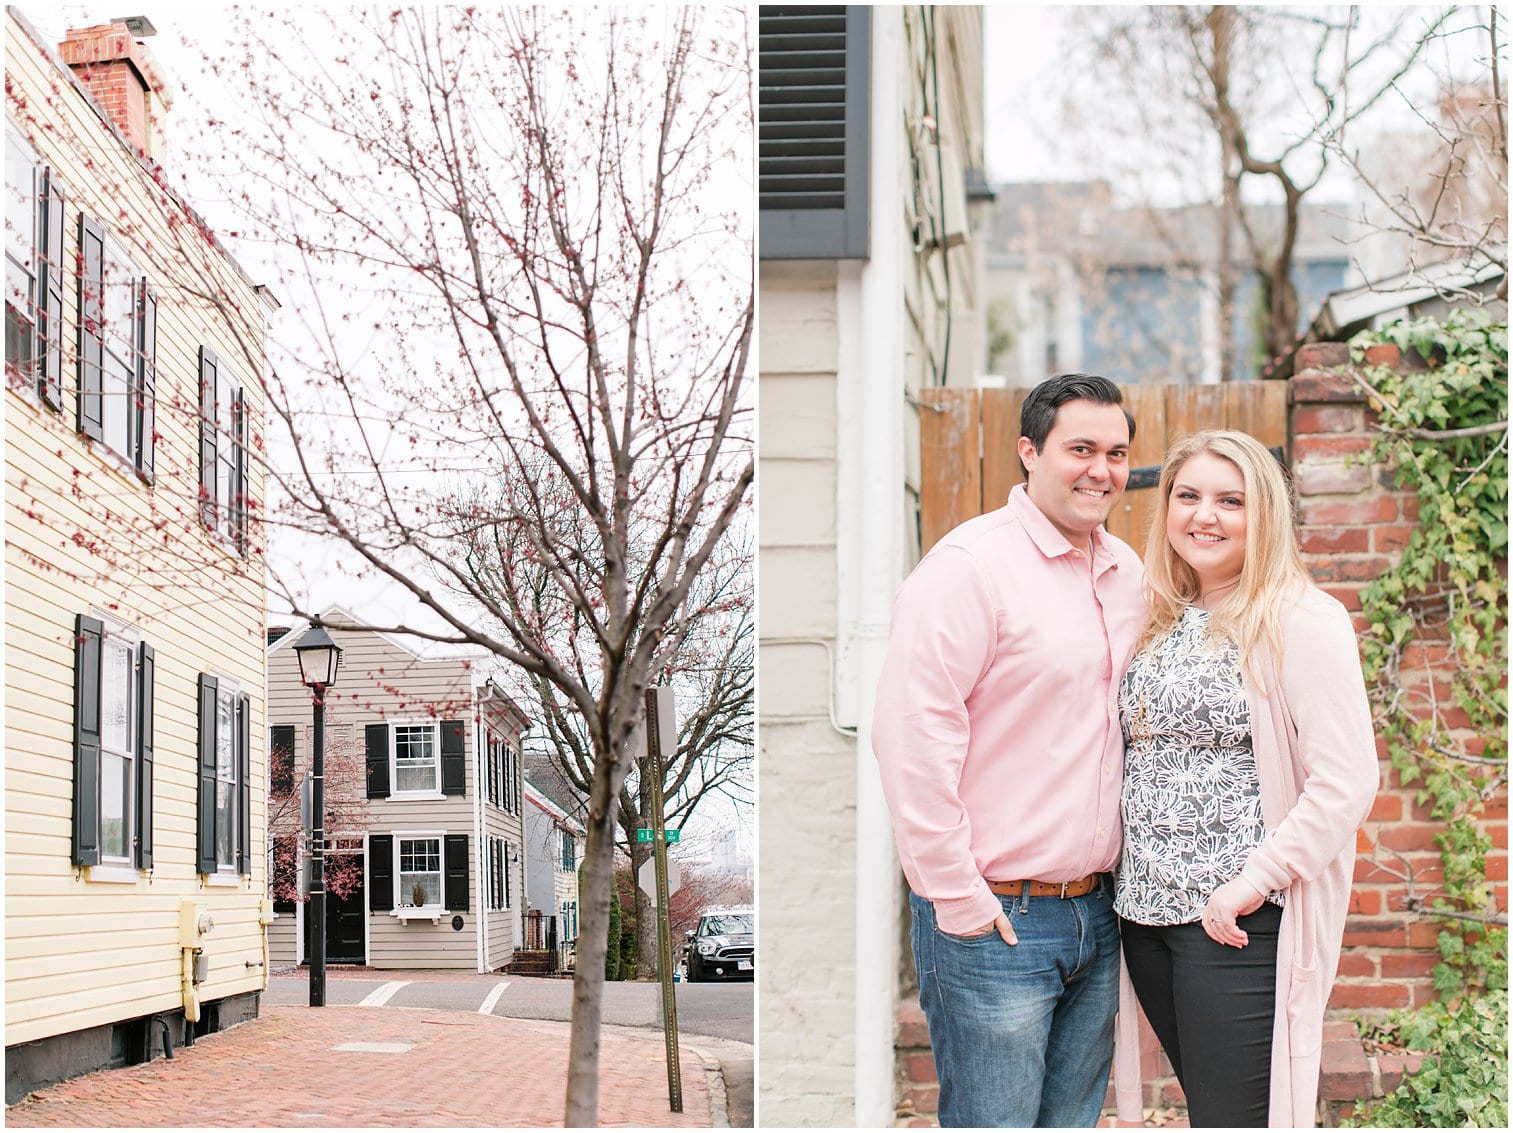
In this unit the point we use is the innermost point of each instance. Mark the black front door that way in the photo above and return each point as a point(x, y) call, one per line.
point(344, 924)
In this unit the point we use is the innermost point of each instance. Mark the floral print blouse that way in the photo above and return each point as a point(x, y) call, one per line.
point(1191, 801)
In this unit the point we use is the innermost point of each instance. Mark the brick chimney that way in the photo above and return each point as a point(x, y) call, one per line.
point(118, 70)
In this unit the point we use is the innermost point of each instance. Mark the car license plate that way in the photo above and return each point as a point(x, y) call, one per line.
point(743, 965)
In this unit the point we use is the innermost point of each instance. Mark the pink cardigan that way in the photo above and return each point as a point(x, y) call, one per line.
point(1316, 758)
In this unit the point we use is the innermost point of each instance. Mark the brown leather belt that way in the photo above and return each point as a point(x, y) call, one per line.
point(1079, 888)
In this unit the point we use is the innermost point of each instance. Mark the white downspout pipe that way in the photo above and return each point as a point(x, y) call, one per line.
point(870, 550)
point(480, 846)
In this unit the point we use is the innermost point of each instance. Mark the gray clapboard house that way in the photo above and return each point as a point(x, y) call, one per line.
point(426, 803)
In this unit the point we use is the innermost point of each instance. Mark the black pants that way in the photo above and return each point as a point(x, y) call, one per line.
point(1212, 1007)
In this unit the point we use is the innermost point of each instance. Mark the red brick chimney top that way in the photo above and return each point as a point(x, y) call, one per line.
point(121, 75)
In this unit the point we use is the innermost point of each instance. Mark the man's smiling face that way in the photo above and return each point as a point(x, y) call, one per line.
point(1080, 473)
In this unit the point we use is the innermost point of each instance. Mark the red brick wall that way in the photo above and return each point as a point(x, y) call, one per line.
point(1352, 525)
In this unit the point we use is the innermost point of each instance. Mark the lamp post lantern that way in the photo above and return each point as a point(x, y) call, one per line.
point(319, 658)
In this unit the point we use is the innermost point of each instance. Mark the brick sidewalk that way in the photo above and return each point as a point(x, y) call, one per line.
point(461, 1069)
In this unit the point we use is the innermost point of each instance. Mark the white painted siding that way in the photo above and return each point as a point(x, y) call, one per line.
point(85, 535)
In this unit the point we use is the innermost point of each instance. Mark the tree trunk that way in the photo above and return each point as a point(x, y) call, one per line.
point(582, 1101)
point(646, 921)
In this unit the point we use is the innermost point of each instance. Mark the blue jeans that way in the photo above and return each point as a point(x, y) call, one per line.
point(1023, 1035)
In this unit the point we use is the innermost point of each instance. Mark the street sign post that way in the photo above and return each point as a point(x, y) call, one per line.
point(662, 728)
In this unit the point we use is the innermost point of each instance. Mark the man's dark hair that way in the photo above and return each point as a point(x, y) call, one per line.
point(1037, 416)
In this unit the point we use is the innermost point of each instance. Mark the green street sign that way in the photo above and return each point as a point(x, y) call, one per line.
point(674, 835)
point(645, 834)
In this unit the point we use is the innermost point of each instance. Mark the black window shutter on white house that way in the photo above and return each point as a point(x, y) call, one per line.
point(145, 408)
point(86, 811)
point(206, 840)
point(243, 784)
point(238, 502)
point(91, 327)
point(281, 760)
point(454, 763)
point(50, 278)
point(813, 75)
point(377, 738)
point(209, 371)
point(380, 872)
point(147, 670)
point(456, 865)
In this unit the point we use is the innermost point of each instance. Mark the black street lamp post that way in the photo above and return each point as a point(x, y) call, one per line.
point(319, 658)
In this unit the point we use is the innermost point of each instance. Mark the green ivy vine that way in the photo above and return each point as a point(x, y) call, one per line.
point(1443, 434)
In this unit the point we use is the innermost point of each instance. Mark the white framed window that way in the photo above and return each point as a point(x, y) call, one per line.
point(227, 785)
point(223, 836)
point(416, 759)
point(223, 451)
point(418, 878)
point(22, 284)
point(569, 852)
point(119, 684)
point(118, 291)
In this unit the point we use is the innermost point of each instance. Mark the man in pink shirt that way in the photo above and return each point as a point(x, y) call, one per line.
point(997, 734)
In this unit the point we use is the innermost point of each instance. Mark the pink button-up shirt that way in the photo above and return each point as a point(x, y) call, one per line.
point(997, 723)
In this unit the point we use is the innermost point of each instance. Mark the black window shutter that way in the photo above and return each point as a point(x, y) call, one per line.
point(243, 740)
point(380, 872)
point(87, 634)
point(91, 327)
point(285, 874)
point(506, 856)
point(454, 764)
point(813, 78)
point(378, 761)
point(238, 502)
point(209, 371)
point(147, 670)
point(145, 418)
point(206, 839)
point(281, 760)
point(50, 277)
point(456, 865)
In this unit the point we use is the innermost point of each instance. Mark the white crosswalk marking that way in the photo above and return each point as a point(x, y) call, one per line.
point(493, 998)
point(379, 996)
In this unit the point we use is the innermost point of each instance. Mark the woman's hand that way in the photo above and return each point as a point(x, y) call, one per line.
point(1231, 900)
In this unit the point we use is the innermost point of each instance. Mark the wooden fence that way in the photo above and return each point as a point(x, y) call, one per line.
point(969, 445)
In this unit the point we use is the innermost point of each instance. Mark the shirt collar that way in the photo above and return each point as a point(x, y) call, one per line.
point(1043, 532)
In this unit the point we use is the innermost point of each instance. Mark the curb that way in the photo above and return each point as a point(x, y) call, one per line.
point(714, 1082)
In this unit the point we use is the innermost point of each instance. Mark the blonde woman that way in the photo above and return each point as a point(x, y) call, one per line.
point(1250, 762)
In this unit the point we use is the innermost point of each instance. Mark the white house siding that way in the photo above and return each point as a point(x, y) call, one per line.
point(807, 776)
point(82, 952)
point(381, 680)
point(549, 886)
point(504, 925)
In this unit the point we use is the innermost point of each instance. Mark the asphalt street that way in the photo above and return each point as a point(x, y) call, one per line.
point(716, 1018)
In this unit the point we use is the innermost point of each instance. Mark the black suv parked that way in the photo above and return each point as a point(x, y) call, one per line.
point(723, 947)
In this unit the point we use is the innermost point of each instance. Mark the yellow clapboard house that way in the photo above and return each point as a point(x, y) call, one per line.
point(135, 797)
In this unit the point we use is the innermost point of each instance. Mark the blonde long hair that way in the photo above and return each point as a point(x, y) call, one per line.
point(1271, 571)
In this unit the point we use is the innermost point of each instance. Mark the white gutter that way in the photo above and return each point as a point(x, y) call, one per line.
point(870, 550)
point(479, 845)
